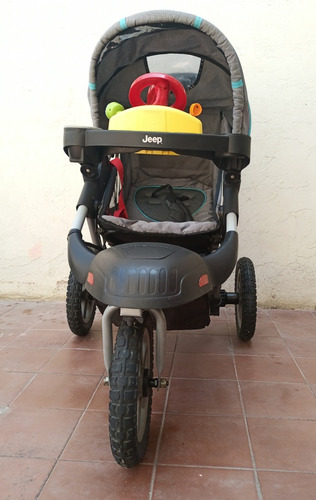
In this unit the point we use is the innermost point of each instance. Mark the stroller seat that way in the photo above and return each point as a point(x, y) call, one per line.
point(165, 196)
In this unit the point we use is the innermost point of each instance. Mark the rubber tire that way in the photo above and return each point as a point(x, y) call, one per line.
point(130, 393)
point(246, 309)
point(80, 307)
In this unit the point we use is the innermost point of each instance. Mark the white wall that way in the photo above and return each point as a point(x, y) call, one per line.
point(46, 49)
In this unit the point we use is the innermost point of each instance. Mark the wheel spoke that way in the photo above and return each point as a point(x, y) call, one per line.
point(142, 403)
point(84, 308)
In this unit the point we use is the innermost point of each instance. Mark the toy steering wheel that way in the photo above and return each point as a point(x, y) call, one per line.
point(160, 85)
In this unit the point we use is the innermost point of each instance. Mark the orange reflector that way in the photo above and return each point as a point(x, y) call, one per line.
point(203, 280)
point(90, 279)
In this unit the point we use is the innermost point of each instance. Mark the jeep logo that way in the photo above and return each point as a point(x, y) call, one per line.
point(148, 139)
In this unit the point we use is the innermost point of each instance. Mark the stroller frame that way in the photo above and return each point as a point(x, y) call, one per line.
point(140, 280)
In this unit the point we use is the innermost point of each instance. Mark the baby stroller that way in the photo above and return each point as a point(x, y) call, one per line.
point(161, 170)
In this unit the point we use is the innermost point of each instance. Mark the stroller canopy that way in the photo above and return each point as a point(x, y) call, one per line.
point(181, 45)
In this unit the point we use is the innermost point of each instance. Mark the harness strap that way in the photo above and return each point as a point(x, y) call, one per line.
point(121, 210)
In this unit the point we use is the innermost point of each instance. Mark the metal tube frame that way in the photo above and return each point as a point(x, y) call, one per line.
point(80, 217)
point(107, 336)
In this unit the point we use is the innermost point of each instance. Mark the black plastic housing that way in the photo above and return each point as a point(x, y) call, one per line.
point(84, 145)
point(80, 256)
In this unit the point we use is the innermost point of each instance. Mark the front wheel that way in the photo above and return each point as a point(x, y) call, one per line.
point(246, 309)
point(131, 393)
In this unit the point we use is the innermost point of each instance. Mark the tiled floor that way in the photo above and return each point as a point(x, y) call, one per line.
point(237, 421)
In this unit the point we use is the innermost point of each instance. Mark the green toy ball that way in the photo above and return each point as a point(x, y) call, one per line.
point(113, 108)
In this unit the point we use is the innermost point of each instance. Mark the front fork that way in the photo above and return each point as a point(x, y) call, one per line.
point(131, 314)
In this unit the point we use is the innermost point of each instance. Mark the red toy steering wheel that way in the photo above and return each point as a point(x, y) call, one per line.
point(160, 85)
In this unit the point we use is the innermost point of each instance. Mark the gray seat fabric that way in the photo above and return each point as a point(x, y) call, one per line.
point(188, 173)
point(187, 228)
point(158, 170)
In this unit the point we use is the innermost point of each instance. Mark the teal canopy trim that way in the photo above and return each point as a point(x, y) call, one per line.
point(238, 84)
point(123, 24)
point(197, 22)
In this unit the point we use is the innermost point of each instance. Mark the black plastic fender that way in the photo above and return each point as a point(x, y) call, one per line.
point(221, 263)
point(147, 275)
point(80, 256)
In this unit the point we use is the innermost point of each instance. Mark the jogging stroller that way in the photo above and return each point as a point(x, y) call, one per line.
point(161, 170)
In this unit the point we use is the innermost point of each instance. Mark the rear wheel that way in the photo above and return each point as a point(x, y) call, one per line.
point(246, 309)
point(80, 307)
point(131, 393)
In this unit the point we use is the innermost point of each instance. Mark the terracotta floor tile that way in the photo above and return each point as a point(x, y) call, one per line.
point(291, 316)
point(52, 314)
point(100, 399)
point(282, 444)
point(7, 335)
point(58, 390)
point(155, 428)
point(91, 341)
point(308, 367)
point(76, 361)
point(159, 399)
point(301, 331)
point(11, 320)
point(97, 481)
point(18, 359)
point(24, 313)
point(263, 368)
point(90, 441)
point(206, 366)
point(216, 328)
point(198, 482)
point(50, 322)
point(262, 313)
point(169, 359)
point(280, 400)
point(23, 478)
point(302, 347)
point(171, 341)
point(11, 384)
point(287, 486)
point(204, 343)
point(229, 311)
point(204, 397)
point(273, 346)
point(209, 441)
point(41, 338)
point(34, 433)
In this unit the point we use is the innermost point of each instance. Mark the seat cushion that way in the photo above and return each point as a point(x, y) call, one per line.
point(186, 228)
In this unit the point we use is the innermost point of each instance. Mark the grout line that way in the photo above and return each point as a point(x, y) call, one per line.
point(210, 467)
point(153, 476)
point(256, 477)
